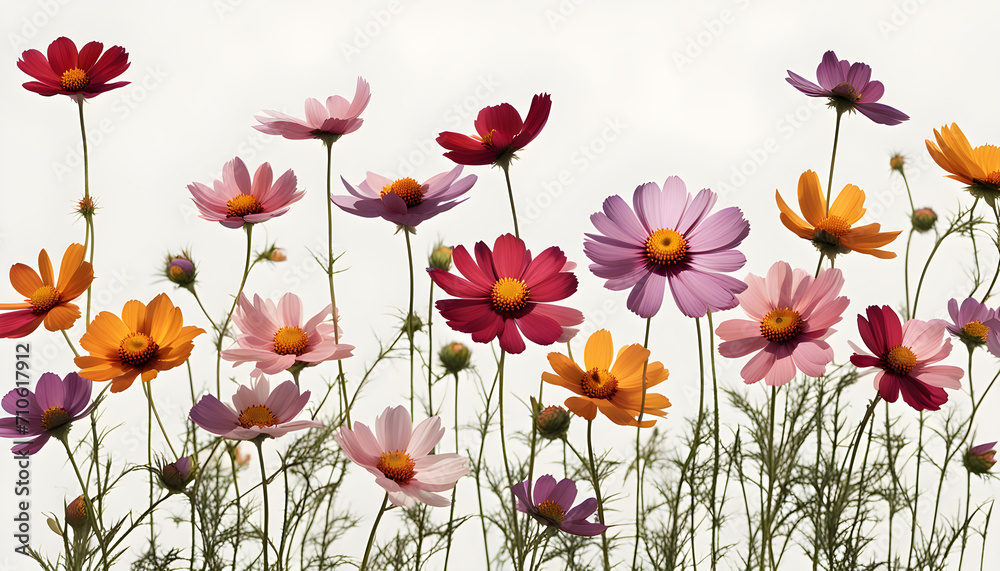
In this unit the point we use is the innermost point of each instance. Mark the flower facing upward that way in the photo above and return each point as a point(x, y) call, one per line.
point(500, 134)
point(78, 74)
point(405, 201)
point(906, 354)
point(790, 317)
point(49, 411)
point(325, 122)
point(611, 384)
point(399, 457)
point(834, 232)
point(849, 88)
point(550, 504)
point(670, 237)
point(505, 290)
point(144, 341)
point(275, 338)
point(259, 412)
point(47, 299)
point(974, 324)
point(235, 200)
point(977, 167)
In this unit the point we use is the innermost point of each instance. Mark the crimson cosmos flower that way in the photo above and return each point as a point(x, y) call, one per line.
point(78, 74)
point(500, 133)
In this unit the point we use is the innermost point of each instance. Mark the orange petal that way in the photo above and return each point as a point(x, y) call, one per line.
point(62, 316)
point(582, 406)
point(18, 305)
point(811, 199)
point(791, 220)
point(561, 382)
point(134, 316)
point(599, 351)
point(566, 367)
point(628, 367)
point(164, 319)
point(25, 280)
point(104, 334)
point(77, 282)
point(849, 204)
point(124, 381)
point(71, 260)
point(615, 414)
point(45, 268)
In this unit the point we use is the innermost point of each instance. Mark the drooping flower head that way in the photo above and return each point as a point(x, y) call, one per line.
point(505, 290)
point(980, 458)
point(790, 318)
point(175, 476)
point(608, 383)
point(404, 201)
point(500, 134)
point(906, 355)
point(834, 233)
point(399, 457)
point(145, 340)
point(550, 504)
point(48, 411)
point(236, 200)
point(258, 412)
point(974, 324)
point(849, 88)
point(977, 167)
point(79, 74)
point(327, 122)
point(275, 338)
point(47, 300)
point(669, 237)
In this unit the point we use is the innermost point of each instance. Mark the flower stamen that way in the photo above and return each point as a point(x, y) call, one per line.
point(666, 247)
point(243, 205)
point(257, 415)
point(781, 325)
point(509, 294)
point(900, 360)
point(397, 466)
point(290, 341)
point(599, 384)
point(406, 188)
point(74, 79)
point(551, 511)
point(137, 349)
point(44, 299)
point(53, 417)
point(976, 330)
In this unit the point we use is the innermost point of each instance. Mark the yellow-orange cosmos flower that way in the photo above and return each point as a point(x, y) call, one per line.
point(834, 232)
point(46, 299)
point(979, 167)
point(613, 385)
point(144, 341)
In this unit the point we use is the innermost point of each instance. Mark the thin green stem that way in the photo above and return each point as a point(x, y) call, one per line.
point(333, 295)
point(927, 264)
point(454, 489)
point(518, 544)
point(916, 491)
point(638, 452)
point(605, 547)
point(371, 536)
point(510, 193)
point(409, 319)
point(149, 462)
point(430, 350)
point(148, 389)
point(203, 310)
point(263, 484)
point(69, 342)
point(860, 433)
point(833, 160)
point(766, 547)
point(229, 316)
point(91, 513)
point(88, 213)
point(908, 193)
point(714, 508)
point(906, 272)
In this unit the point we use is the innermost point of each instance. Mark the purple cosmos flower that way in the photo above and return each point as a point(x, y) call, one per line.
point(669, 237)
point(46, 412)
point(849, 87)
point(974, 324)
point(404, 201)
point(549, 504)
point(258, 412)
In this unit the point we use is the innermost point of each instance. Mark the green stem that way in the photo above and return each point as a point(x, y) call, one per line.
point(916, 492)
point(333, 295)
point(454, 489)
point(638, 452)
point(518, 545)
point(229, 316)
point(149, 461)
point(906, 272)
point(766, 547)
point(69, 342)
point(89, 217)
point(371, 536)
point(510, 193)
point(263, 483)
point(909, 195)
point(714, 508)
point(605, 548)
point(152, 406)
point(203, 310)
point(833, 160)
point(430, 350)
point(91, 514)
point(409, 318)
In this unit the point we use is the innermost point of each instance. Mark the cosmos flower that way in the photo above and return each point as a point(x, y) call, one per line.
point(235, 200)
point(48, 411)
point(258, 412)
point(550, 504)
point(78, 74)
point(176, 475)
point(325, 122)
point(500, 134)
point(980, 458)
point(974, 324)
point(404, 201)
point(47, 299)
point(977, 167)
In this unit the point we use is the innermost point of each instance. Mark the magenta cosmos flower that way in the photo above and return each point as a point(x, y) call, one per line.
point(974, 324)
point(46, 412)
point(790, 318)
point(404, 201)
point(849, 87)
point(259, 412)
point(500, 134)
point(550, 505)
point(274, 337)
point(505, 290)
point(672, 238)
point(78, 74)
point(906, 354)
point(399, 457)
point(326, 122)
point(235, 200)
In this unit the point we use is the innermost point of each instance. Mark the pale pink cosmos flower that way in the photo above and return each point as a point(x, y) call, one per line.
point(398, 455)
point(790, 317)
point(404, 201)
point(258, 412)
point(274, 337)
point(325, 122)
point(236, 200)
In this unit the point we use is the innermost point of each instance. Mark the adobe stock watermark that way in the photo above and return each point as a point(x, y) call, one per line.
point(562, 12)
point(367, 32)
point(22, 472)
point(898, 17)
point(29, 26)
point(711, 30)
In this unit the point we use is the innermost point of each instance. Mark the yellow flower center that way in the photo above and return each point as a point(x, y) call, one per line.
point(487, 139)
point(509, 294)
point(54, 417)
point(407, 189)
point(44, 299)
point(834, 226)
point(177, 272)
point(137, 349)
point(243, 205)
point(599, 384)
point(781, 325)
point(397, 466)
point(900, 360)
point(993, 178)
point(666, 247)
point(74, 80)
point(976, 330)
point(290, 341)
point(551, 511)
point(257, 415)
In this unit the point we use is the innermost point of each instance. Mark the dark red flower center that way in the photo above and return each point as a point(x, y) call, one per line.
point(551, 511)
point(406, 188)
point(74, 79)
point(900, 360)
point(781, 325)
point(397, 466)
point(137, 349)
point(44, 299)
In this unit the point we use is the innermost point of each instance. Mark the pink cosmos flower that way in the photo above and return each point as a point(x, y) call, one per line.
point(78, 74)
point(398, 455)
point(274, 337)
point(906, 354)
point(849, 87)
point(790, 317)
point(404, 201)
point(501, 133)
point(235, 200)
point(505, 290)
point(48, 411)
point(671, 238)
point(258, 412)
point(550, 504)
point(326, 122)
point(974, 324)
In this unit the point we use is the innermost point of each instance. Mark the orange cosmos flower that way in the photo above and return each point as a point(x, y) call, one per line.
point(833, 233)
point(47, 300)
point(977, 167)
point(615, 389)
point(144, 341)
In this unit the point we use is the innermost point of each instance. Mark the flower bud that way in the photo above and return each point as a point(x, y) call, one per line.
point(175, 476)
point(454, 358)
point(277, 255)
point(923, 219)
point(896, 162)
point(180, 269)
point(979, 459)
point(86, 207)
point(553, 422)
point(241, 457)
point(76, 514)
point(440, 258)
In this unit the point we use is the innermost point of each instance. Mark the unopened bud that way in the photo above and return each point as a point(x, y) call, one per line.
point(979, 459)
point(553, 422)
point(86, 207)
point(440, 258)
point(180, 269)
point(176, 475)
point(454, 357)
point(76, 513)
point(923, 219)
point(896, 162)
point(277, 255)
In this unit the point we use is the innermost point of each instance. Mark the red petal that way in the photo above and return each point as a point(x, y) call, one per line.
point(33, 63)
point(63, 55)
point(89, 54)
point(504, 118)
